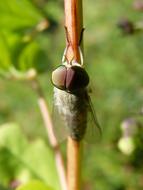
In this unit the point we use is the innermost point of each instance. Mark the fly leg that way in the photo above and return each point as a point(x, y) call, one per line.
point(68, 37)
point(70, 45)
point(81, 36)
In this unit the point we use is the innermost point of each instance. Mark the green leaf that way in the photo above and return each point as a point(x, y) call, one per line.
point(42, 163)
point(18, 14)
point(5, 57)
point(19, 55)
point(34, 185)
point(32, 56)
point(22, 160)
point(12, 145)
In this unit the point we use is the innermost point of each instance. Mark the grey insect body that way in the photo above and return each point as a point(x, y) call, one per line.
point(71, 101)
point(73, 111)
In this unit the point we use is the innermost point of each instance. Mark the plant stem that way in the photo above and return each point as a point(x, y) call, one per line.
point(49, 127)
point(74, 27)
point(74, 164)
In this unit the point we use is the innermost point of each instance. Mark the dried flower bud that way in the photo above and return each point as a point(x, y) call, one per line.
point(129, 127)
point(126, 26)
point(138, 5)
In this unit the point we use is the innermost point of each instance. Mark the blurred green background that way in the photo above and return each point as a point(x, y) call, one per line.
point(32, 36)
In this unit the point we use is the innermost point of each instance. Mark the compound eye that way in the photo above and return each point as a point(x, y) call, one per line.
point(59, 77)
point(76, 78)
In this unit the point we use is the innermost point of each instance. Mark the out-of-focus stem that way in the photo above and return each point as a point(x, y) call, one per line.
point(49, 127)
point(74, 27)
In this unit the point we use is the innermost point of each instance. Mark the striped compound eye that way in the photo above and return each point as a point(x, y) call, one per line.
point(70, 78)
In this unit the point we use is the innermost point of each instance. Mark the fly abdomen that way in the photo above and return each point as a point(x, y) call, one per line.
point(72, 109)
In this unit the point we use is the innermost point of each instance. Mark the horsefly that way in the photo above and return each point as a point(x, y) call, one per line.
point(73, 114)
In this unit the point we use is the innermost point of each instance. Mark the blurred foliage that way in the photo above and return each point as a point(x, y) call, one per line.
point(32, 36)
point(34, 185)
point(20, 158)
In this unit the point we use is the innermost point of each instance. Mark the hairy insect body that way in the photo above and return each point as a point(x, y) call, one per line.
point(72, 105)
point(73, 111)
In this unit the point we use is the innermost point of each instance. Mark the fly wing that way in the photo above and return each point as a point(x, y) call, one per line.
point(93, 131)
point(60, 129)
